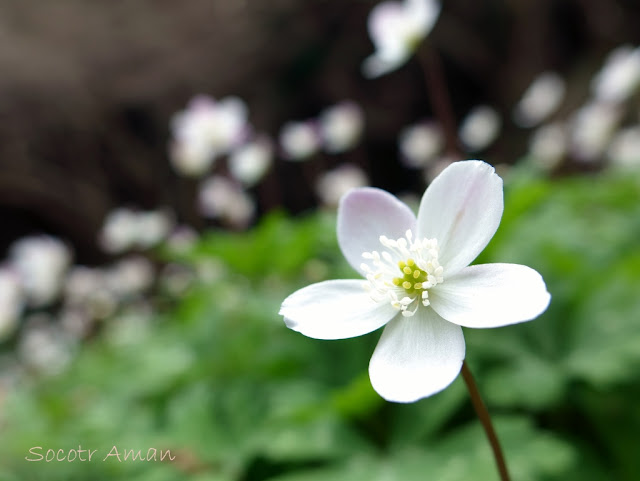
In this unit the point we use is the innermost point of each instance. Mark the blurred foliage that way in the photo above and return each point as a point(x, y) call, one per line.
point(220, 382)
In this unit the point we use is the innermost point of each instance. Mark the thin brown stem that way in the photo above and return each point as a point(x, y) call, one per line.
point(439, 96)
point(485, 419)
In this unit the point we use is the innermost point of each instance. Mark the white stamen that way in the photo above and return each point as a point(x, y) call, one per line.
point(405, 286)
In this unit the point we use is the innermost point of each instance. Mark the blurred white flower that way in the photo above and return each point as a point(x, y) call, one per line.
point(619, 76)
point(420, 143)
point(221, 198)
point(43, 347)
point(591, 128)
point(81, 283)
point(119, 230)
point(182, 238)
point(250, 162)
point(11, 302)
point(299, 140)
point(548, 145)
point(75, 323)
point(205, 130)
point(624, 151)
point(153, 227)
point(87, 290)
point(41, 262)
point(480, 128)
point(177, 278)
point(332, 185)
point(125, 229)
point(341, 126)
point(396, 29)
point(130, 276)
point(541, 99)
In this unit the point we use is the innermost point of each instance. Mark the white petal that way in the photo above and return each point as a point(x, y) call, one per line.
point(335, 309)
point(491, 295)
point(416, 357)
point(386, 22)
point(376, 65)
point(364, 215)
point(422, 14)
point(461, 208)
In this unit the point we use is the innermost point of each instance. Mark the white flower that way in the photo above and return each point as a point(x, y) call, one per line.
point(548, 145)
point(332, 185)
point(11, 302)
point(44, 348)
point(251, 161)
point(205, 130)
point(153, 227)
point(619, 76)
point(119, 230)
point(420, 144)
point(396, 29)
point(480, 128)
point(220, 198)
point(125, 229)
point(130, 276)
point(341, 126)
point(591, 128)
point(541, 99)
point(299, 140)
point(41, 262)
point(87, 290)
point(418, 281)
point(624, 151)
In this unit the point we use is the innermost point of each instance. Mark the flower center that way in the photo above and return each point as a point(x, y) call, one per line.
point(403, 272)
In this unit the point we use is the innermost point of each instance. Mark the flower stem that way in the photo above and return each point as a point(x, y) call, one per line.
point(485, 419)
point(439, 96)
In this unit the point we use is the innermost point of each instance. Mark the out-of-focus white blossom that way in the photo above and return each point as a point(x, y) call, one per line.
point(480, 128)
point(119, 230)
point(624, 151)
point(548, 145)
point(87, 290)
point(43, 347)
point(221, 198)
point(396, 29)
point(206, 129)
point(620, 75)
point(420, 143)
point(125, 229)
point(332, 185)
point(591, 129)
point(177, 278)
point(341, 126)
point(541, 99)
point(251, 161)
point(41, 263)
point(153, 227)
point(182, 238)
point(11, 302)
point(130, 276)
point(299, 140)
point(76, 323)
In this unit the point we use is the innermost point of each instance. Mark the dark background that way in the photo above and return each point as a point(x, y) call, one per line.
point(87, 90)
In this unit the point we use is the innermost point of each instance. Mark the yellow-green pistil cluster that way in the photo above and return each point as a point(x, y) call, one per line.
point(412, 278)
point(420, 272)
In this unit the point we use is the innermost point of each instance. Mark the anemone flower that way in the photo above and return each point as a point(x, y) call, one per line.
point(396, 29)
point(419, 284)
